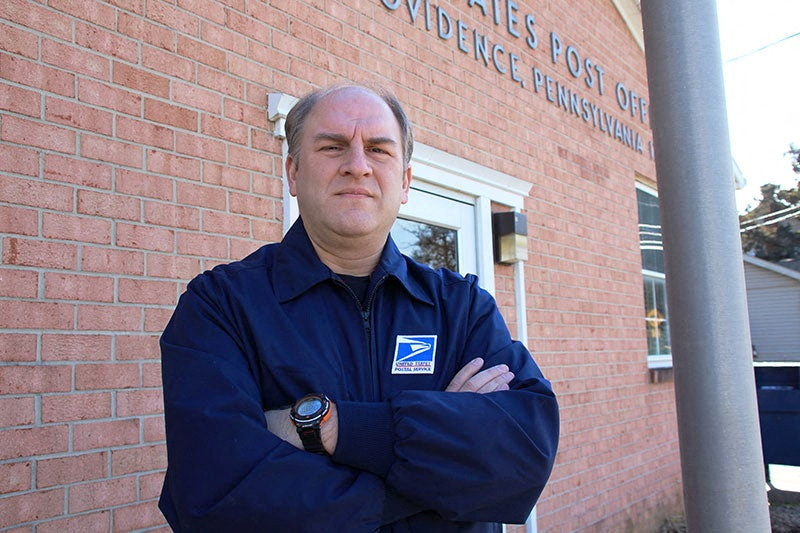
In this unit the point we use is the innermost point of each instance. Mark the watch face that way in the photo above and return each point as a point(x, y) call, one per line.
point(309, 407)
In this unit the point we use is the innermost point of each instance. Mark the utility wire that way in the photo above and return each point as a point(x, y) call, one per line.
point(751, 52)
point(793, 214)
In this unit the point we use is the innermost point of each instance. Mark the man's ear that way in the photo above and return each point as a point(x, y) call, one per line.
point(291, 175)
point(407, 175)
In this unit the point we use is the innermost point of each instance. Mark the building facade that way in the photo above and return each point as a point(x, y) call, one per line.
point(141, 142)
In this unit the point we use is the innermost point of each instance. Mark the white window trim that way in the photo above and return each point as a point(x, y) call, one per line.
point(654, 361)
point(440, 171)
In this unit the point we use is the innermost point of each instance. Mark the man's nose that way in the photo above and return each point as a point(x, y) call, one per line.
point(356, 162)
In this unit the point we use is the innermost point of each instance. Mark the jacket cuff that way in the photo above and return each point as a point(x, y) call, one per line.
point(366, 436)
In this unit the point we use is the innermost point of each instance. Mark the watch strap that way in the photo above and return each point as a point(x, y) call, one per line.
point(311, 438)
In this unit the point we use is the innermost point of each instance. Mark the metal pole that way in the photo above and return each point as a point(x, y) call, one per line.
point(720, 445)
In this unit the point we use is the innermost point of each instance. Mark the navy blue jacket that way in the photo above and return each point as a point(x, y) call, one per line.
point(257, 334)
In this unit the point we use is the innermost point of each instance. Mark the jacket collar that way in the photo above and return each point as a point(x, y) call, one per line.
point(298, 267)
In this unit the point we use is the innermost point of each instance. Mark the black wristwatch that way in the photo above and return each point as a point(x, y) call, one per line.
point(308, 413)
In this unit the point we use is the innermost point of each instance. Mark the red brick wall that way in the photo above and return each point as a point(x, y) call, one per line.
point(135, 152)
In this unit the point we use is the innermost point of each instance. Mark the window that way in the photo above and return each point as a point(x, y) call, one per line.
point(655, 294)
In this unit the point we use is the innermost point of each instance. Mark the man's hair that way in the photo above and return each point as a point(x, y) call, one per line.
point(296, 118)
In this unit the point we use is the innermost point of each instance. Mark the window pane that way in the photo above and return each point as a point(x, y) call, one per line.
point(656, 316)
point(650, 232)
point(432, 245)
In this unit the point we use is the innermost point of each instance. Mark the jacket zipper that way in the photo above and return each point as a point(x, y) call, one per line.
point(366, 315)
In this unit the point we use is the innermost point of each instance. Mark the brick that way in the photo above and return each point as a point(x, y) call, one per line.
point(242, 157)
point(37, 18)
point(39, 254)
point(172, 266)
point(169, 114)
point(242, 248)
point(173, 17)
point(71, 407)
point(154, 430)
point(267, 231)
point(201, 195)
point(19, 160)
point(108, 205)
point(16, 477)
point(19, 347)
point(75, 347)
point(201, 52)
point(194, 96)
point(30, 442)
point(104, 95)
point(72, 469)
point(147, 292)
point(224, 38)
point(19, 283)
point(156, 319)
point(96, 259)
point(250, 204)
point(79, 116)
point(58, 286)
point(173, 165)
point(37, 315)
point(102, 149)
point(107, 376)
point(140, 80)
point(145, 133)
point(132, 347)
point(36, 194)
point(268, 186)
point(137, 517)
point(145, 237)
point(37, 134)
point(88, 10)
point(30, 507)
point(226, 176)
point(142, 30)
point(77, 60)
point(214, 222)
point(215, 80)
point(141, 184)
point(38, 76)
point(16, 412)
point(107, 43)
point(19, 100)
point(162, 62)
point(139, 403)
point(35, 379)
point(92, 435)
point(202, 245)
point(84, 173)
point(248, 114)
point(109, 318)
point(139, 459)
point(224, 129)
point(72, 228)
point(102, 494)
point(151, 375)
point(99, 522)
point(203, 147)
point(150, 485)
point(173, 216)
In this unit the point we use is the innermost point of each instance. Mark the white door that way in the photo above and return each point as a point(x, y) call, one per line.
point(437, 230)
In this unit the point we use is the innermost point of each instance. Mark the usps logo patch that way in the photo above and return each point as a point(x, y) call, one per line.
point(414, 354)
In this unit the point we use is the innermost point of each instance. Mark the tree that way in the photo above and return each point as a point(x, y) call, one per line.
point(771, 230)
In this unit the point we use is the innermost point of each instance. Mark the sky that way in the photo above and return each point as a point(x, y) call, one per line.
point(762, 89)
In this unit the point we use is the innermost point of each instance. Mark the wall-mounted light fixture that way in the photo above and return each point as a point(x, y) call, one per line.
point(510, 236)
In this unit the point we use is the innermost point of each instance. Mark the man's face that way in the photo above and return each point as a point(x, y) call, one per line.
point(349, 178)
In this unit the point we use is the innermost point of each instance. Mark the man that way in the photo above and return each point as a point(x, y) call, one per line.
point(328, 383)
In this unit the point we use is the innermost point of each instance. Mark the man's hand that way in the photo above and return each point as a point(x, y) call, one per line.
point(472, 379)
point(279, 423)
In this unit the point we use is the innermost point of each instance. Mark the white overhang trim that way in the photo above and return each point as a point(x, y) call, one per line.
point(631, 12)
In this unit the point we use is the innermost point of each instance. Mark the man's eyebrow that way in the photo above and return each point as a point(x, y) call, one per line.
point(337, 137)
